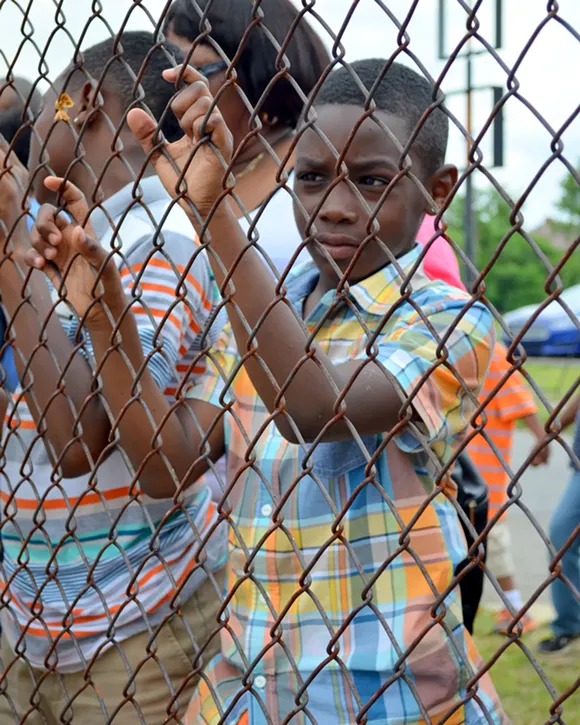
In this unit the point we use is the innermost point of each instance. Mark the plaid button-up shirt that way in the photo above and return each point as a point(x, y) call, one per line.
point(334, 610)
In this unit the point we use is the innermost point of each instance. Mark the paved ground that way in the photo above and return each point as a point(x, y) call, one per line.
point(542, 488)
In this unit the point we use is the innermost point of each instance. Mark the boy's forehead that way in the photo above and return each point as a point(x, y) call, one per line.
point(338, 122)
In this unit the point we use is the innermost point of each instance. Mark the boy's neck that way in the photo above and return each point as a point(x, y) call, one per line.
point(327, 283)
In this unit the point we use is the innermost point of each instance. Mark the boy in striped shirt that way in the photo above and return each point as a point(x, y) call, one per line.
point(92, 567)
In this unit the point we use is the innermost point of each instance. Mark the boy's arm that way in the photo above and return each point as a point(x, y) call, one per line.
point(515, 402)
point(56, 381)
point(532, 422)
point(406, 367)
point(567, 418)
point(306, 392)
point(570, 412)
point(164, 442)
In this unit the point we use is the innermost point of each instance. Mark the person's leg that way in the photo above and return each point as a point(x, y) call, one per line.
point(501, 565)
point(566, 520)
point(135, 683)
point(24, 692)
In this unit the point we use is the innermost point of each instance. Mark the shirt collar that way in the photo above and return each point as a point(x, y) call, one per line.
point(375, 294)
point(149, 190)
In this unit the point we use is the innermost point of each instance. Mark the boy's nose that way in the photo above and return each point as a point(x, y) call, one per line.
point(339, 207)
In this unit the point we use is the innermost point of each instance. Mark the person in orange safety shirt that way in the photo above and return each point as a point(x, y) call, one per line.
point(513, 401)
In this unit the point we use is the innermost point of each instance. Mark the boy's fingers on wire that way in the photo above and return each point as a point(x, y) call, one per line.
point(76, 204)
point(194, 117)
point(87, 247)
point(186, 74)
point(216, 129)
point(41, 247)
point(37, 260)
point(49, 225)
point(197, 124)
point(188, 97)
point(145, 130)
point(193, 104)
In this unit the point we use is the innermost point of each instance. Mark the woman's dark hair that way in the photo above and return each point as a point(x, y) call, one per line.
point(229, 20)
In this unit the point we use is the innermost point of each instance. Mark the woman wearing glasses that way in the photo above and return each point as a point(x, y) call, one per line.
point(278, 106)
point(277, 103)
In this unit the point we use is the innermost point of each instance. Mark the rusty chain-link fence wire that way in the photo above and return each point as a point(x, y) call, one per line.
point(95, 612)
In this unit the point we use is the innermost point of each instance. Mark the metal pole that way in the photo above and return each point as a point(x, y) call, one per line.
point(468, 215)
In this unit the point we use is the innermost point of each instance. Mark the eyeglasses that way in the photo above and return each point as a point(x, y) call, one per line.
point(210, 69)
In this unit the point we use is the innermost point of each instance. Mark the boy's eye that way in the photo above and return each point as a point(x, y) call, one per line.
point(374, 181)
point(309, 176)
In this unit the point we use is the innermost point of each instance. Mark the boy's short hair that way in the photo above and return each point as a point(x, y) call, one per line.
point(401, 92)
point(135, 50)
point(256, 66)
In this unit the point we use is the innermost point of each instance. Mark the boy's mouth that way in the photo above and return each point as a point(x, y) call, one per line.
point(338, 246)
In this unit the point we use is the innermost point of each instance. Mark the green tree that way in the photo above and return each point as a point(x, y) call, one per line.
point(569, 202)
point(519, 275)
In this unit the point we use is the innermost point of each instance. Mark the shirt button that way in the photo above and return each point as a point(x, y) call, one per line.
point(260, 682)
point(266, 509)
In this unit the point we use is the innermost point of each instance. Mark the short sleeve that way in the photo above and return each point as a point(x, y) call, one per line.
point(514, 399)
point(216, 383)
point(174, 297)
point(441, 379)
point(440, 262)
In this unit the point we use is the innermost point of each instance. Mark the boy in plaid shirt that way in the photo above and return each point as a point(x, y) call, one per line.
point(342, 546)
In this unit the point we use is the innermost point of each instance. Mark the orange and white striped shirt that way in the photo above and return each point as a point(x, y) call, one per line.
point(100, 557)
point(513, 400)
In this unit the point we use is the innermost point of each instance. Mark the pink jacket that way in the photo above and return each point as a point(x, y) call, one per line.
point(440, 261)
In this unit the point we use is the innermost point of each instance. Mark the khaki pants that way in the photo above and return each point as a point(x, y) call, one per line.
point(499, 551)
point(126, 685)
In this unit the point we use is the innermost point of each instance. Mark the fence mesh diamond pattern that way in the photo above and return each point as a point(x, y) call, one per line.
point(236, 493)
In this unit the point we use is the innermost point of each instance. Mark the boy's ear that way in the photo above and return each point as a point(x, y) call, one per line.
point(442, 183)
point(88, 100)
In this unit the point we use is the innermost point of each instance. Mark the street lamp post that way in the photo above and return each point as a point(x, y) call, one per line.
point(470, 232)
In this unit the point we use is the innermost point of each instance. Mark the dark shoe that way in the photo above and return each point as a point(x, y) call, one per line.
point(556, 643)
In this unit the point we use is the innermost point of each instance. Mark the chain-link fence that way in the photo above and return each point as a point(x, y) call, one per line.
point(254, 425)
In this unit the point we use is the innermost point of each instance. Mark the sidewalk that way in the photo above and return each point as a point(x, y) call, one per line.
point(542, 488)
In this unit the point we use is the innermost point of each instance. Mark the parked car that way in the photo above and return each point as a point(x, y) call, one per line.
point(553, 332)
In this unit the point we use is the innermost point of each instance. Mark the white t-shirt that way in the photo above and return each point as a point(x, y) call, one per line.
point(279, 236)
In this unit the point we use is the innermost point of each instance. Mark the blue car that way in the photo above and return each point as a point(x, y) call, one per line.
point(553, 332)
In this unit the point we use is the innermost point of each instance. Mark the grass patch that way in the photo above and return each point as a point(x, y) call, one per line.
point(524, 696)
point(555, 377)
